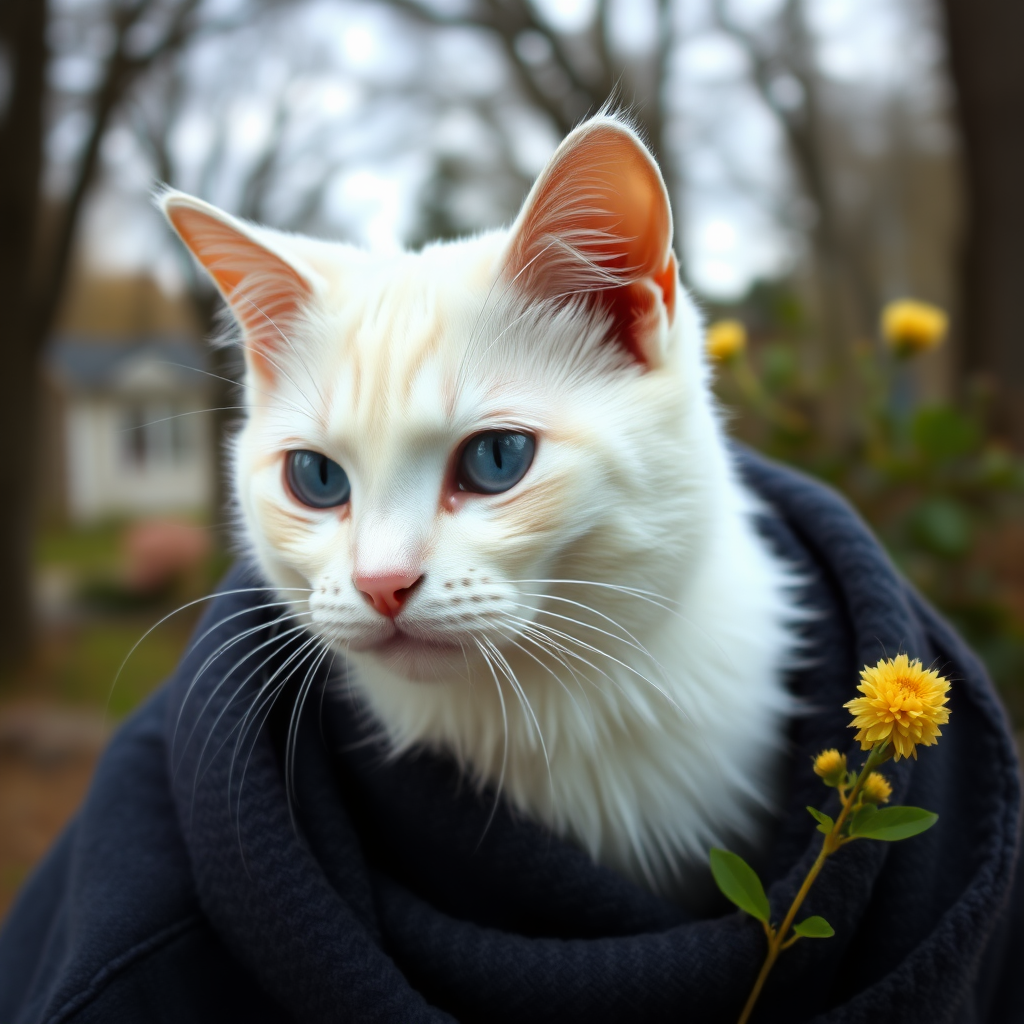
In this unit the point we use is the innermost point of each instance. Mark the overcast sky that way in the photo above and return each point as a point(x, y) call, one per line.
point(349, 77)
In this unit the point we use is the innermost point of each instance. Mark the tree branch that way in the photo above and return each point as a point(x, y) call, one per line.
point(23, 33)
point(504, 22)
point(121, 70)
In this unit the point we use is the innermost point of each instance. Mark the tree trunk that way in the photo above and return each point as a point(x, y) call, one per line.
point(22, 29)
point(33, 269)
point(984, 39)
point(19, 410)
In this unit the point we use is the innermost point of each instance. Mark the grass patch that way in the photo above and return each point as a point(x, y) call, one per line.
point(85, 549)
point(79, 654)
point(78, 665)
point(88, 671)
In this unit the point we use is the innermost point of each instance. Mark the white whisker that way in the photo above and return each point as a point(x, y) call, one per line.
point(278, 366)
point(541, 636)
point(218, 652)
point(650, 595)
point(180, 415)
point(525, 701)
point(227, 644)
point(281, 639)
point(293, 725)
point(192, 604)
point(604, 654)
point(628, 640)
point(504, 750)
point(547, 668)
point(275, 399)
point(265, 698)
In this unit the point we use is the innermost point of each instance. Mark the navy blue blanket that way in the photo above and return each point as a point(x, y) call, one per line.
point(190, 888)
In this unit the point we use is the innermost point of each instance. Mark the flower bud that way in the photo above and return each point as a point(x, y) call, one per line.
point(831, 766)
point(725, 340)
point(876, 789)
point(909, 327)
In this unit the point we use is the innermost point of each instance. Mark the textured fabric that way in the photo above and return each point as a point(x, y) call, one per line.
point(194, 886)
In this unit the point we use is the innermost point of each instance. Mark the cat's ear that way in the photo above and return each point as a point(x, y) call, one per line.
point(598, 224)
point(264, 291)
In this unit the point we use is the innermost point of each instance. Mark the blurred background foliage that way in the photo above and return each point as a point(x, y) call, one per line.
point(824, 158)
point(937, 484)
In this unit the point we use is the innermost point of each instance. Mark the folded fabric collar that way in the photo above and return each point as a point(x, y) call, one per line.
point(356, 886)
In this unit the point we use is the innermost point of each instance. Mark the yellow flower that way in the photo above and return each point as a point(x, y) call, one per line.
point(876, 789)
point(910, 327)
point(831, 766)
point(902, 703)
point(726, 339)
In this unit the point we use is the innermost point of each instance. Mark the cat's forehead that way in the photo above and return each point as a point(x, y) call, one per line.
point(378, 292)
point(390, 366)
point(408, 341)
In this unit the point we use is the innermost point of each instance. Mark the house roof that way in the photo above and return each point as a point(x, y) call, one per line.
point(163, 364)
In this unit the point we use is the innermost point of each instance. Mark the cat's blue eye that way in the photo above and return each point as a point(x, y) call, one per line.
point(494, 461)
point(316, 480)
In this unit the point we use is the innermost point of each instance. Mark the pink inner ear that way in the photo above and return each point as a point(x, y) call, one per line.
point(263, 291)
point(599, 223)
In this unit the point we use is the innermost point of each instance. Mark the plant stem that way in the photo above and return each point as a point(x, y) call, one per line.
point(831, 843)
point(775, 941)
point(755, 393)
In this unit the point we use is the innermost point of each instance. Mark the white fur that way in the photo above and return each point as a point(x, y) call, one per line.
point(648, 729)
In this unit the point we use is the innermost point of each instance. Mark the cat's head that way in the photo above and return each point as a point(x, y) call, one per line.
point(435, 439)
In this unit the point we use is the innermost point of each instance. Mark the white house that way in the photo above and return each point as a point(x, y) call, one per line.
point(137, 434)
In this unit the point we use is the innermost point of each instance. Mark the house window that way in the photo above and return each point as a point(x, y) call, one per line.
point(133, 437)
point(155, 435)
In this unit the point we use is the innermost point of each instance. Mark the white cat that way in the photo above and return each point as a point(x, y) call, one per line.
point(498, 465)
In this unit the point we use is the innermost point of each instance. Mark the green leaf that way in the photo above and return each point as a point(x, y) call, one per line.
point(780, 367)
point(814, 928)
point(892, 823)
point(825, 823)
point(740, 884)
point(943, 526)
point(942, 434)
point(861, 817)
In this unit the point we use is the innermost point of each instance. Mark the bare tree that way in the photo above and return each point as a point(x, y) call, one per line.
point(863, 157)
point(568, 75)
point(22, 31)
point(983, 44)
point(38, 228)
point(784, 72)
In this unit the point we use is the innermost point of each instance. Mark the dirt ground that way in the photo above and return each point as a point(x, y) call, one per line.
point(57, 713)
point(47, 757)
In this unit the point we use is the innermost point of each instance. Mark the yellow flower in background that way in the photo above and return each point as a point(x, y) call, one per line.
point(876, 789)
point(830, 765)
point(903, 703)
point(909, 327)
point(725, 340)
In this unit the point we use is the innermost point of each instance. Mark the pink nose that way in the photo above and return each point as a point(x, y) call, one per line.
point(387, 593)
